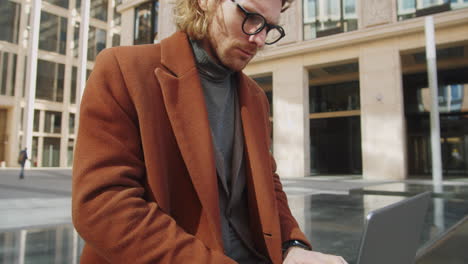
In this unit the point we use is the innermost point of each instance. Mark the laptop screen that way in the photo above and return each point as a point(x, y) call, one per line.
point(392, 233)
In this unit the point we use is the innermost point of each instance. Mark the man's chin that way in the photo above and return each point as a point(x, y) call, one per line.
point(236, 65)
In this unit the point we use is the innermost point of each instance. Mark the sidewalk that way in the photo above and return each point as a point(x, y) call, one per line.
point(330, 209)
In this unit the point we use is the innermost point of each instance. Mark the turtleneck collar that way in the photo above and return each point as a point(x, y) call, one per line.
point(206, 66)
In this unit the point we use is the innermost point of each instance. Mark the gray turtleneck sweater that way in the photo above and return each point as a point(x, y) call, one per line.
point(220, 96)
point(219, 89)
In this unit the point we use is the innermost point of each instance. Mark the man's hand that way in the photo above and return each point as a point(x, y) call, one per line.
point(296, 255)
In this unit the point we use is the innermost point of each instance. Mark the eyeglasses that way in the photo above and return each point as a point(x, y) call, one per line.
point(254, 23)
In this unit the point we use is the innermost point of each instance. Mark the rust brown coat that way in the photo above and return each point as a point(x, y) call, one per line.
point(144, 179)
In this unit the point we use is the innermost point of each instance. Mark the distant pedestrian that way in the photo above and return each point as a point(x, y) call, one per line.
point(22, 157)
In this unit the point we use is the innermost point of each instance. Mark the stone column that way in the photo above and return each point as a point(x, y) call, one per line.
point(382, 112)
point(291, 118)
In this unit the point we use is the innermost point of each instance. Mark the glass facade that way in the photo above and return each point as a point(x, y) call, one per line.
point(328, 17)
point(57, 70)
point(146, 23)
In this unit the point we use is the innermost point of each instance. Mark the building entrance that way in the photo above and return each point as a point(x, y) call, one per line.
point(453, 107)
point(335, 128)
point(335, 146)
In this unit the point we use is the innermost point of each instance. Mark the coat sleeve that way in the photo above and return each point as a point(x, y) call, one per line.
point(108, 206)
point(289, 227)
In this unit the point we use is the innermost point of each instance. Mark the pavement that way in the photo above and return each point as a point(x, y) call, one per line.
point(330, 209)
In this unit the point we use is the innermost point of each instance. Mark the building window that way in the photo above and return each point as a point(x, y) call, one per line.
point(51, 152)
point(328, 17)
point(53, 122)
point(76, 39)
point(71, 124)
point(416, 8)
point(96, 42)
point(115, 40)
point(10, 13)
point(74, 77)
point(35, 143)
point(61, 3)
point(7, 73)
point(146, 23)
point(99, 9)
point(50, 78)
point(334, 97)
point(70, 152)
point(53, 34)
point(117, 16)
point(37, 117)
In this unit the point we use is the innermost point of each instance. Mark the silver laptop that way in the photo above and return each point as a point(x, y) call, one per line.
point(392, 234)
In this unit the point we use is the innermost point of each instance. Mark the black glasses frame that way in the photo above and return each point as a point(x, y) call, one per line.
point(265, 24)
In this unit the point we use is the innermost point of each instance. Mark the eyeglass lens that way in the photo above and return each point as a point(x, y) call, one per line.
point(255, 23)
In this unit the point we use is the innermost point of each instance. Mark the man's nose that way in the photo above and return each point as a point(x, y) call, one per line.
point(259, 38)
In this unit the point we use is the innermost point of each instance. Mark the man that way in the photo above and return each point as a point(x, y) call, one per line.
point(172, 162)
point(22, 158)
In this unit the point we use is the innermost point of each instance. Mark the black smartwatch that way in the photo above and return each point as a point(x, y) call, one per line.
point(294, 243)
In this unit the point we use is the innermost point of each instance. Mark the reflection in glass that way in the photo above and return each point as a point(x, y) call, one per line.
point(9, 21)
point(53, 33)
point(54, 244)
point(51, 152)
point(50, 78)
point(7, 73)
point(96, 42)
point(327, 17)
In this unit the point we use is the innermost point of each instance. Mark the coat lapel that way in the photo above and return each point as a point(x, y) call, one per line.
point(186, 108)
point(258, 166)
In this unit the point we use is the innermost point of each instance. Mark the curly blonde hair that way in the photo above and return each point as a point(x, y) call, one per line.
point(191, 19)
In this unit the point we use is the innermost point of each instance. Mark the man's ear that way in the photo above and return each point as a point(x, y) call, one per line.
point(203, 4)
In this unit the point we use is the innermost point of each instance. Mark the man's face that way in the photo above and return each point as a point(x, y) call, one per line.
point(226, 41)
